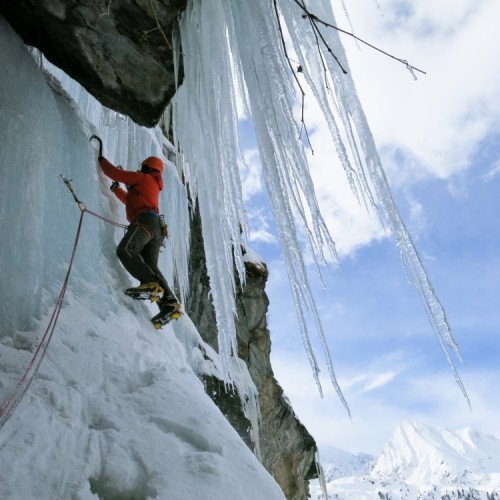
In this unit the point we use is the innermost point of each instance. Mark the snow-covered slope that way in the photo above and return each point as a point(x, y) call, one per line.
point(422, 462)
point(117, 412)
point(116, 409)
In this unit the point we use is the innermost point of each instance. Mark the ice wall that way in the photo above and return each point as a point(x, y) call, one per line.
point(127, 144)
point(40, 140)
point(117, 409)
point(43, 139)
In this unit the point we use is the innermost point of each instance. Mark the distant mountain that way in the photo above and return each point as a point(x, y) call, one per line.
point(338, 463)
point(418, 462)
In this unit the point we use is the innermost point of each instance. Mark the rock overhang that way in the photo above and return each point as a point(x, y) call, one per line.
point(120, 51)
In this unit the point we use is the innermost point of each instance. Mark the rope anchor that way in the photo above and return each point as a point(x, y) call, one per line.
point(83, 208)
point(80, 204)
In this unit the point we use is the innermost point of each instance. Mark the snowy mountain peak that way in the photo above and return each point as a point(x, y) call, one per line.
point(422, 453)
point(421, 461)
point(339, 463)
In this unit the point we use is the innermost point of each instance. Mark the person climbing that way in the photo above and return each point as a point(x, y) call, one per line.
point(139, 249)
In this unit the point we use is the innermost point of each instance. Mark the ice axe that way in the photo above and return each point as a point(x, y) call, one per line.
point(100, 143)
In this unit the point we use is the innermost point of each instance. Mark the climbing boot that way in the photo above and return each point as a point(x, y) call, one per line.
point(146, 291)
point(168, 311)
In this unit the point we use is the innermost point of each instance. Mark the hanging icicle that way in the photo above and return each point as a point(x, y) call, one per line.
point(236, 46)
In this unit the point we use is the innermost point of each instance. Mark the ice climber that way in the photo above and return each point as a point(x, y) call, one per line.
point(139, 249)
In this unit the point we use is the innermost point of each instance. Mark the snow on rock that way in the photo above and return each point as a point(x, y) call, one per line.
point(116, 409)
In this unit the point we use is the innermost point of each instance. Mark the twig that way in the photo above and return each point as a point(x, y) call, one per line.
point(303, 123)
point(325, 71)
point(169, 45)
point(317, 32)
point(108, 13)
point(315, 19)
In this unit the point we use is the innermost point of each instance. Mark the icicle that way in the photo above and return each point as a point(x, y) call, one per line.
point(306, 48)
point(241, 39)
point(247, 38)
point(283, 161)
point(321, 475)
point(205, 126)
point(352, 115)
point(410, 69)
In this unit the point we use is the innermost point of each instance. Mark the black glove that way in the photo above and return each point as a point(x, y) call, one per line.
point(114, 185)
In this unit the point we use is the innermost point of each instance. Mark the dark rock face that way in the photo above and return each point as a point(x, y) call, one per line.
point(229, 404)
point(119, 50)
point(287, 449)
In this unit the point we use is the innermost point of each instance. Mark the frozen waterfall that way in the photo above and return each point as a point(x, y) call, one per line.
point(233, 47)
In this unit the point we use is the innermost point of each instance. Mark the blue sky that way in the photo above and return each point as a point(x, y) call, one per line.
point(440, 146)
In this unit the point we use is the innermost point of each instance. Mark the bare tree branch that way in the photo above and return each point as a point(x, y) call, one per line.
point(169, 45)
point(299, 69)
point(316, 20)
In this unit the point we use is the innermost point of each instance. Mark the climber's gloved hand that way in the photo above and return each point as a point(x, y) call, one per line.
point(114, 185)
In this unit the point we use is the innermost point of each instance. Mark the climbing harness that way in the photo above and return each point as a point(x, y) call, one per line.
point(164, 226)
point(15, 397)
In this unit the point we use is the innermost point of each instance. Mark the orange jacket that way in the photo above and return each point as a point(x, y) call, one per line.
point(143, 189)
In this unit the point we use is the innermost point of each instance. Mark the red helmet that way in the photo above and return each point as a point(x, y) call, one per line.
point(153, 162)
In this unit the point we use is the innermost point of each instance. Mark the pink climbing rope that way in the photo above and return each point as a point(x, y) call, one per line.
point(109, 221)
point(15, 397)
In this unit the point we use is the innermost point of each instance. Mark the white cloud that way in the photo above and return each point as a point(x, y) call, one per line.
point(372, 420)
point(260, 228)
point(262, 235)
point(417, 223)
point(493, 171)
point(438, 121)
point(250, 174)
point(426, 128)
point(432, 398)
point(374, 377)
point(379, 381)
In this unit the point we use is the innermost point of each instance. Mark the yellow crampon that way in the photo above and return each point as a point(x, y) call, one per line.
point(146, 291)
point(161, 322)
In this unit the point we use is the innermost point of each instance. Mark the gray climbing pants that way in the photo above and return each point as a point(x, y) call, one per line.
point(139, 251)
